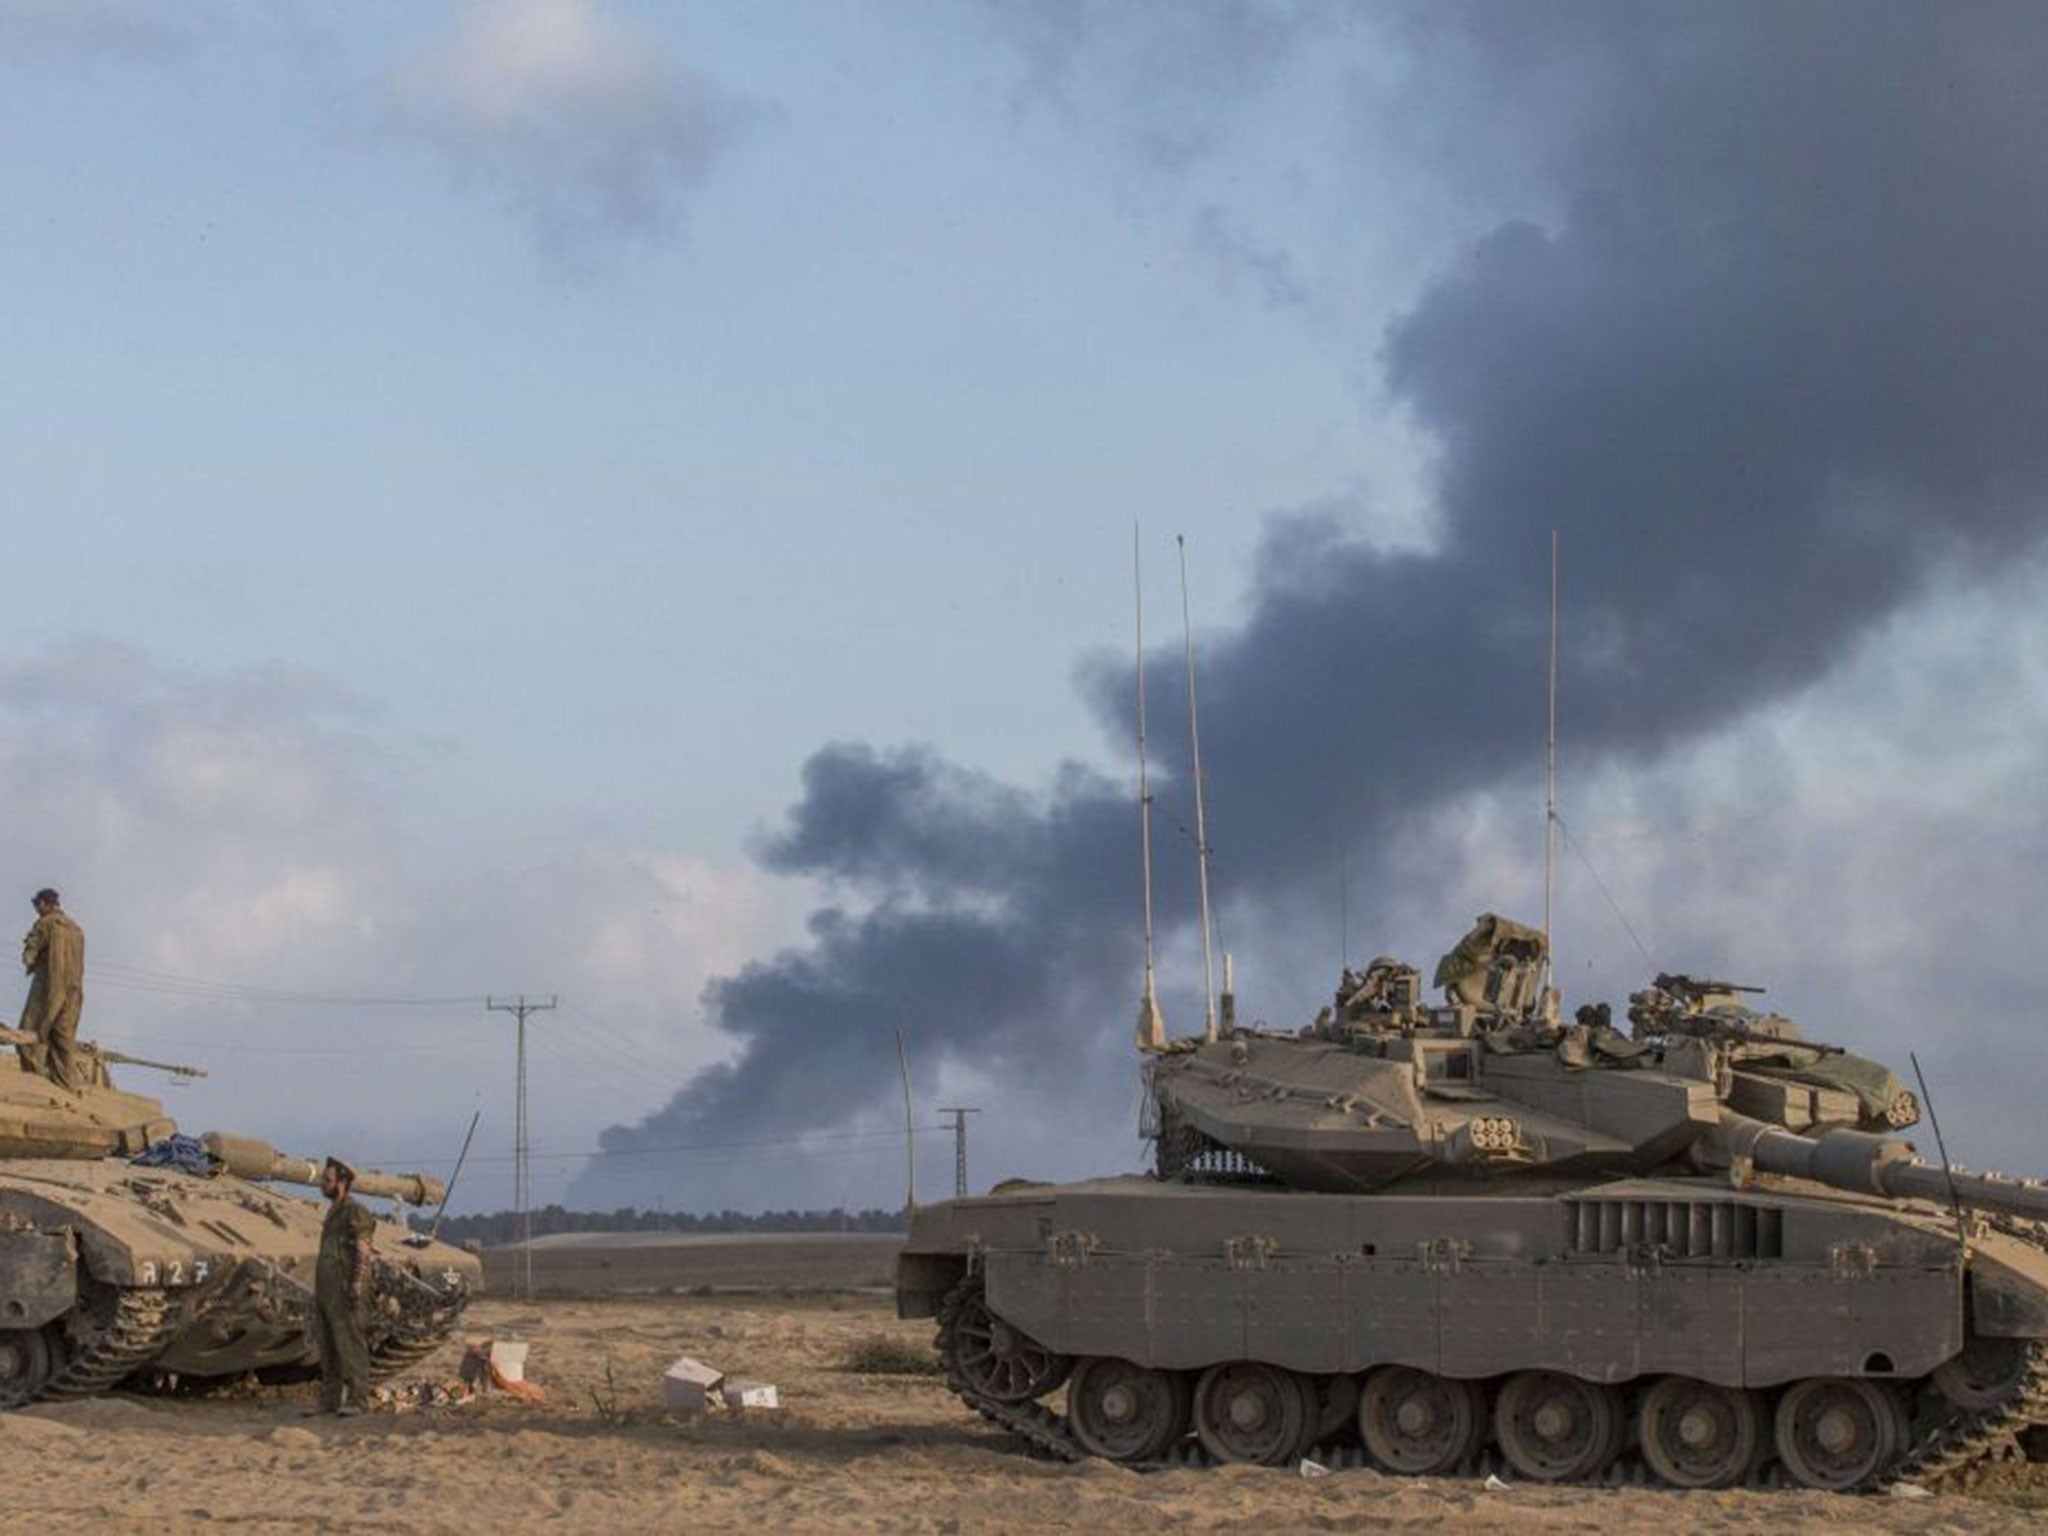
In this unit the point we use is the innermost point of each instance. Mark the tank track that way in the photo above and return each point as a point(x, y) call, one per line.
point(1952, 1446)
point(1965, 1439)
point(426, 1319)
point(1034, 1423)
point(136, 1334)
point(401, 1352)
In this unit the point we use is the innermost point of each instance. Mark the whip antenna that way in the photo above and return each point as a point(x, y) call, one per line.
point(1151, 1022)
point(448, 1194)
point(1947, 1168)
point(1550, 782)
point(1201, 813)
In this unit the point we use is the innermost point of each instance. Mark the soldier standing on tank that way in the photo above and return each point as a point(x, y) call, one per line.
point(53, 954)
point(341, 1293)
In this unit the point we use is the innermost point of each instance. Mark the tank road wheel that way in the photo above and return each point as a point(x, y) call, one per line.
point(989, 1356)
point(1836, 1432)
point(1415, 1423)
point(1698, 1435)
point(1984, 1375)
point(1249, 1411)
point(1125, 1412)
point(26, 1365)
point(1555, 1428)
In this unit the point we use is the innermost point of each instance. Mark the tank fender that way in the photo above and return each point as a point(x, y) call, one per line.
point(42, 1276)
point(2004, 1303)
point(923, 1279)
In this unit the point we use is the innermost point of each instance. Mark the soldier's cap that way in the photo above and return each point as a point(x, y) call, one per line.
point(48, 894)
point(347, 1174)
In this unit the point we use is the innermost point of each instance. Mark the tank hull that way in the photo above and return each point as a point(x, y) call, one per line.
point(1618, 1283)
point(116, 1271)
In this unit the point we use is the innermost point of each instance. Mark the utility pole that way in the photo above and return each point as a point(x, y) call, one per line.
point(522, 1145)
point(909, 1132)
point(960, 1149)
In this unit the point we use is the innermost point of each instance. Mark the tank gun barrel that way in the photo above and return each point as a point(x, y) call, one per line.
point(123, 1059)
point(1872, 1165)
point(18, 1038)
point(248, 1157)
point(1695, 986)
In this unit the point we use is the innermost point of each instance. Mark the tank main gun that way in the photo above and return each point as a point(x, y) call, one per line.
point(247, 1157)
point(95, 1052)
point(123, 1059)
point(1867, 1164)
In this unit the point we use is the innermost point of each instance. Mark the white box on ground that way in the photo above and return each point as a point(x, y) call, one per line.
point(686, 1386)
point(750, 1394)
point(509, 1360)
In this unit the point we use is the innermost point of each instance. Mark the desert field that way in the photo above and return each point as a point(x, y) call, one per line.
point(848, 1451)
point(623, 1263)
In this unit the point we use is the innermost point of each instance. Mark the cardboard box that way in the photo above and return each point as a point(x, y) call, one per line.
point(686, 1386)
point(750, 1394)
point(509, 1360)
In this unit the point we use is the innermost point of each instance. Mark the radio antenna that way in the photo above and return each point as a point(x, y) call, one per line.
point(1550, 783)
point(1151, 1022)
point(1201, 812)
point(1948, 1171)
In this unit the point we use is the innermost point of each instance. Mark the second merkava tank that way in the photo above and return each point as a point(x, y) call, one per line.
point(198, 1269)
point(1471, 1233)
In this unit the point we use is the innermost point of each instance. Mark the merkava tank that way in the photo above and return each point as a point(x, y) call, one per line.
point(1469, 1233)
point(111, 1270)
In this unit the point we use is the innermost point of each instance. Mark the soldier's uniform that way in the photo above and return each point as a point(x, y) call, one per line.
point(54, 956)
point(340, 1293)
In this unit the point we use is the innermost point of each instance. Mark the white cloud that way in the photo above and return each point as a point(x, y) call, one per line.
point(254, 828)
point(572, 114)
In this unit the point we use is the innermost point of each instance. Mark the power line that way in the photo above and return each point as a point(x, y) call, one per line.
point(143, 979)
point(629, 1046)
point(235, 1048)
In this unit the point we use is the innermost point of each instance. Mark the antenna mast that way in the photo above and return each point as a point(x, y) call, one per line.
point(909, 1134)
point(1550, 780)
point(1201, 813)
point(1151, 1022)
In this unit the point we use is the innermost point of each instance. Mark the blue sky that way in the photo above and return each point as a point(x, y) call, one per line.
point(571, 495)
point(465, 461)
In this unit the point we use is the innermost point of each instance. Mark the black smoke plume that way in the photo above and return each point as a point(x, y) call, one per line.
point(1775, 363)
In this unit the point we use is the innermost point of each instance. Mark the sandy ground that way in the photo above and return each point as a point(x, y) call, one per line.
point(848, 1452)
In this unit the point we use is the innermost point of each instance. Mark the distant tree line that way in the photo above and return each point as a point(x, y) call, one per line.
point(504, 1226)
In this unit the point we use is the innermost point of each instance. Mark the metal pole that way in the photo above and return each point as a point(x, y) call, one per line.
point(1550, 779)
point(522, 1145)
point(1201, 813)
point(960, 1148)
point(909, 1135)
point(1151, 1022)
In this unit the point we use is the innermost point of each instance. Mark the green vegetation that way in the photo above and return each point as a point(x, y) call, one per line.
point(880, 1355)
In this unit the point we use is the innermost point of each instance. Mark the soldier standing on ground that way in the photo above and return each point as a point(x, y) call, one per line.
point(341, 1293)
point(53, 954)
